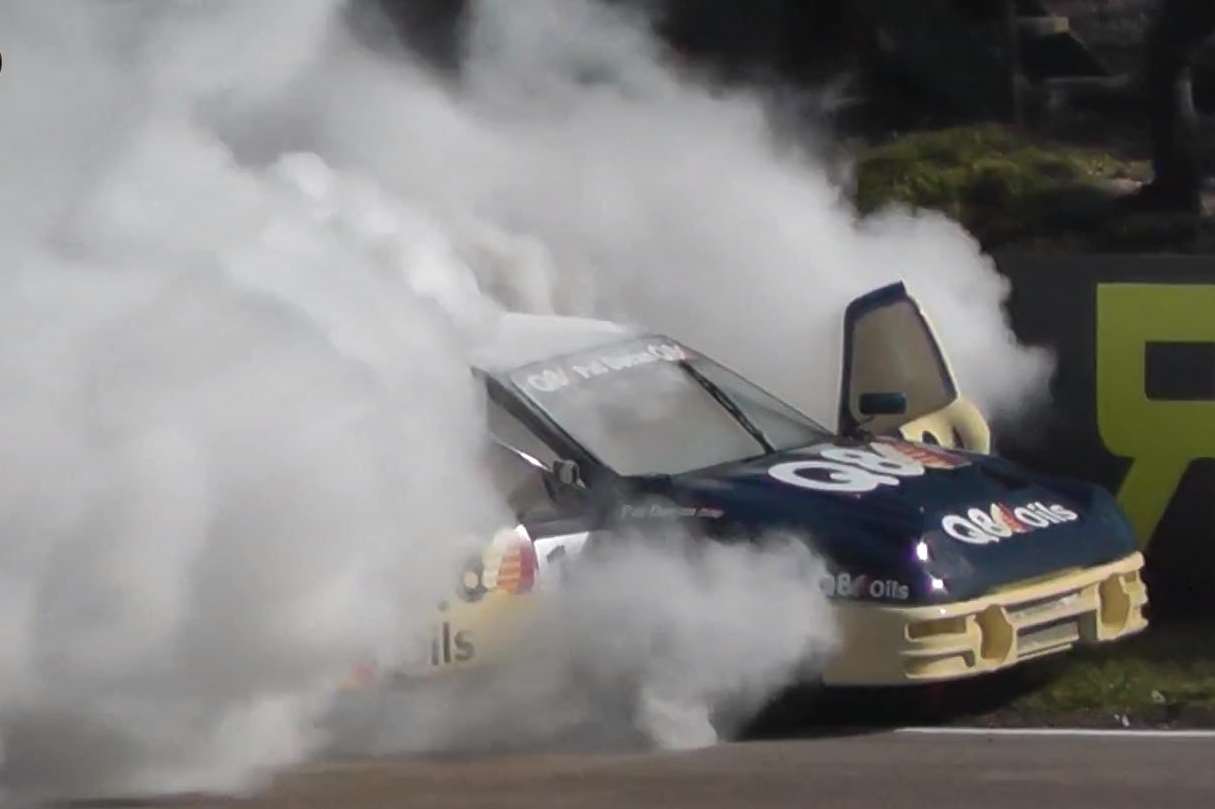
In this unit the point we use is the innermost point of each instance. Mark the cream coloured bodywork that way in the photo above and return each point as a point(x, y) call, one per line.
point(958, 425)
point(881, 645)
point(475, 631)
point(888, 645)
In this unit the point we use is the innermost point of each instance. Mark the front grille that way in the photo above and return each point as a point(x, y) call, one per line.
point(1003, 629)
point(1033, 611)
point(1048, 638)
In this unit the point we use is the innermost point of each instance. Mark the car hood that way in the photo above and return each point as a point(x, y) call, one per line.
point(946, 525)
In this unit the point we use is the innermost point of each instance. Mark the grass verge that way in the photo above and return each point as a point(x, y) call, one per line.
point(1162, 678)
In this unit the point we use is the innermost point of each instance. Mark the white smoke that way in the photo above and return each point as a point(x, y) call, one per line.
point(625, 190)
point(240, 437)
point(659, 639)
point(240, 259)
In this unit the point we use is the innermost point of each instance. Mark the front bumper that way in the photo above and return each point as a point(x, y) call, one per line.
point(886, 645)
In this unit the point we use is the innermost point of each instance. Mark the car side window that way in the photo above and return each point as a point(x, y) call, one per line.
point(520, 482)
point(512, 432)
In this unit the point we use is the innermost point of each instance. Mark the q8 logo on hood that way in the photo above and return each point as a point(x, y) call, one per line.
point(985, 526)
point(849, 469)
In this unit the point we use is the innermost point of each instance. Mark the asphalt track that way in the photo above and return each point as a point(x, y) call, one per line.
point(929, 768)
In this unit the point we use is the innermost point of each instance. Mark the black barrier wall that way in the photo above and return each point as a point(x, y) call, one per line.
point(1133, 400)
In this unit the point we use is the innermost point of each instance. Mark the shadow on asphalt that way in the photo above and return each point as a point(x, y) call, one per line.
point(808, 711)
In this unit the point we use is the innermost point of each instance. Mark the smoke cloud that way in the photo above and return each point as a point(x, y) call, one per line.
point(242, 257)
point(662, 639)
point(621, 188)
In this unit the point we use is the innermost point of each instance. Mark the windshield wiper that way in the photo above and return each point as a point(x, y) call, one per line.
point(733, 409)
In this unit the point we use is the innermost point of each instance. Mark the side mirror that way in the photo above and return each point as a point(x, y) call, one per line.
point(883, 404)
point(567, 473)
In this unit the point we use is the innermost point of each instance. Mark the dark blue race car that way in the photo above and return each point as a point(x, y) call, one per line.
point(944, 561)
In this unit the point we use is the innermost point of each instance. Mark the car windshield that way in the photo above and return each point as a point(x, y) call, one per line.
point(654, 407)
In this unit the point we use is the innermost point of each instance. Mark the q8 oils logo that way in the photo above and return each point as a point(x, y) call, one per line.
point(999, 521)
point(508, 565)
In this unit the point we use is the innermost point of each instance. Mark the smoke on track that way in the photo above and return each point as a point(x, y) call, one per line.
point(241, 259)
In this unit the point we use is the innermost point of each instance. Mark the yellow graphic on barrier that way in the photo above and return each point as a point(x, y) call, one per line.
point(1161, 437)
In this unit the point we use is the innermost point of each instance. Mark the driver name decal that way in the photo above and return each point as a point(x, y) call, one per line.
point(999, 521)
point(557, 377)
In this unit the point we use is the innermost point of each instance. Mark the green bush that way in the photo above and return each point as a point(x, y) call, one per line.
point(999, 183)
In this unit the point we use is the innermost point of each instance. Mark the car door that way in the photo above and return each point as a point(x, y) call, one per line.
point(556, 517)
point(493, 611)
point(890, 348)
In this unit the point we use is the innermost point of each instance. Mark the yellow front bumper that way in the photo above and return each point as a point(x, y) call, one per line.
point(886, 645)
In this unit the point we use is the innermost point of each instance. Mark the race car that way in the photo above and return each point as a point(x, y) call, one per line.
point(943, 561)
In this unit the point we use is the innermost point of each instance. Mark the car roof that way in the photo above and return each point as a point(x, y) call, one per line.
point(521, 339)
